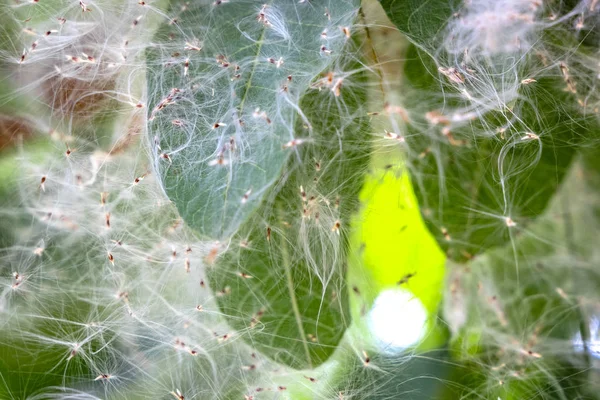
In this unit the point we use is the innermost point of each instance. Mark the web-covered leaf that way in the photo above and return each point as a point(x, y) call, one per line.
point(225, 81)
point(480, 182)
point(282, 281)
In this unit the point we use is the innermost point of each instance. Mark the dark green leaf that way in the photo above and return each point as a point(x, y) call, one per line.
point(543, 290)
point(421, 20)
point(487, 178)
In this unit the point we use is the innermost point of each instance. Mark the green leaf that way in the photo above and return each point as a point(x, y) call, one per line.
point(38, 357)
point(282, 280)
point(225, 82)
point(475, 182)
point(392, 249)
point(421, 20)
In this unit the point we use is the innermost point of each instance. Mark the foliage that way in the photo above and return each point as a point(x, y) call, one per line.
point(299, 199)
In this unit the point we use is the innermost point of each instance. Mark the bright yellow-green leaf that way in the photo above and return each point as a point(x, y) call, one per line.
point(394, 250)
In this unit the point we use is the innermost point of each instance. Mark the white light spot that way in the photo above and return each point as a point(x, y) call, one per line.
point(397, 320)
